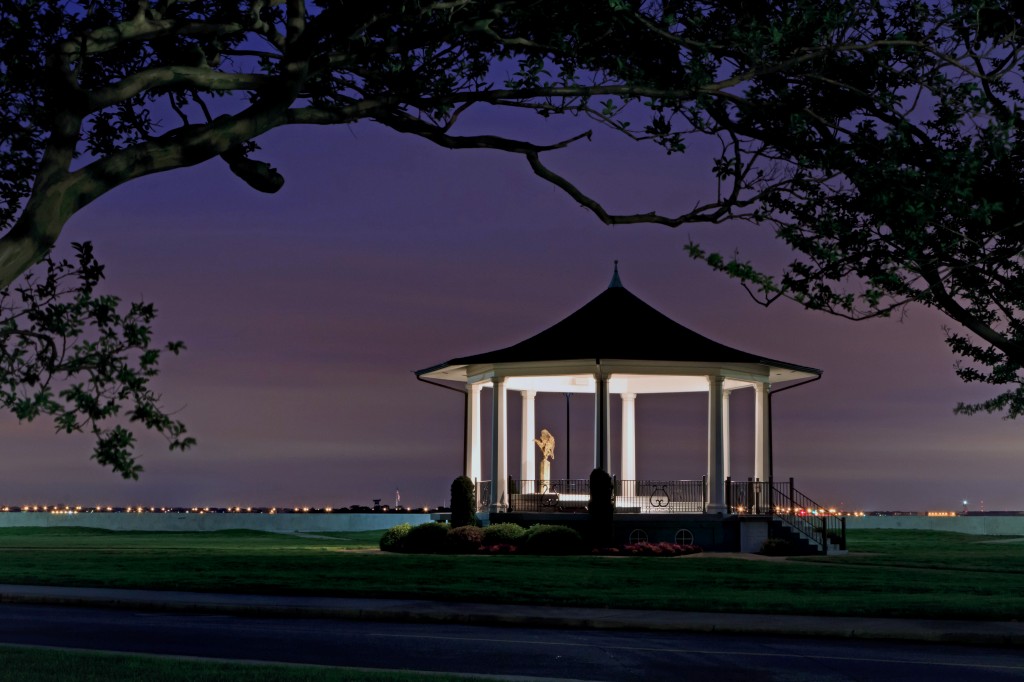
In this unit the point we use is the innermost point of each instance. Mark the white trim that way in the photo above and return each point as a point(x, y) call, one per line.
point(748, 372)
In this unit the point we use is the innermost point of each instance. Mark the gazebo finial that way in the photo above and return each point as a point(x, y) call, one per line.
point(616, 283)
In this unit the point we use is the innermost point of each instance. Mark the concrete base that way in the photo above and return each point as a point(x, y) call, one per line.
point(753, 534)
point(711, 531)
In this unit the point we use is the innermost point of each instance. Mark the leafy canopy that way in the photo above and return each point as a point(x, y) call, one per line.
point(878, 139)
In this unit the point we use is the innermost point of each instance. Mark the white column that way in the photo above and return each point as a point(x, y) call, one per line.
point(499, 447)
point(474, 456)
point(628, 470)
point(628, 465)
point(762, 447)
point(527, 461)
point(726, 448)
point(601, 423)
point(716, 454)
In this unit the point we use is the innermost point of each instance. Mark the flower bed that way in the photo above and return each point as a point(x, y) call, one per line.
point(506, 538)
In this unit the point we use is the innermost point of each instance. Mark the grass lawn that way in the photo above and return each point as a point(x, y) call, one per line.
point(31, 664)
point(887, 573)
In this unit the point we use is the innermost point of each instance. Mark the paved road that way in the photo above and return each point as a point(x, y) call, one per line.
point(544, 653)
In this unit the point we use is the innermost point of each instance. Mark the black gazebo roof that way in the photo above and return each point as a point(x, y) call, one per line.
point(616, 325)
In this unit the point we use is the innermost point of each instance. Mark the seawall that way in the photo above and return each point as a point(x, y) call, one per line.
point(972, 525)
point(314, 523)
point(178, 522)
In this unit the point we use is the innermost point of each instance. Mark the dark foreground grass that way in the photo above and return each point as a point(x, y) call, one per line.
point(30, 664)
point(888, 573)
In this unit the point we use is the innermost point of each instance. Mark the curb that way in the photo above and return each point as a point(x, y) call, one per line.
point(984, 633)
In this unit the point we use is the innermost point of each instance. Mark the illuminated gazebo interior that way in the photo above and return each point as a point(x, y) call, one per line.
point(614, 345)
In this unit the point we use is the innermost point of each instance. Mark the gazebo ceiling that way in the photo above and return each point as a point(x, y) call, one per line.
point(647, 352)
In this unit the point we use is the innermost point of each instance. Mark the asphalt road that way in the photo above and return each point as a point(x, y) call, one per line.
point(562, 654)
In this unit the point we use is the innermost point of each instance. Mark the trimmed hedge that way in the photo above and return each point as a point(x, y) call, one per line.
point(463, 502)
point(393, 538)
point(465, 540)
point(503, 534)
point(601, 509)
point(552, 540)
point(427, 538)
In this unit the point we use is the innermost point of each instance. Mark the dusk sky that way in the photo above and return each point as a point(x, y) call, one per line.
point(305, 314)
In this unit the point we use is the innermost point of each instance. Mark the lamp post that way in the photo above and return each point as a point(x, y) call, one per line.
point(568, 437)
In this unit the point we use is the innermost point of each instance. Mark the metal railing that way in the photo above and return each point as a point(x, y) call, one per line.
point(636, 497)
point(483, 496)
point(660, 497)
point(784, 502)
point(751, 497)
point(559, 495)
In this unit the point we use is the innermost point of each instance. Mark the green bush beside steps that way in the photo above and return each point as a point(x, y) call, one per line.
point(511, 538)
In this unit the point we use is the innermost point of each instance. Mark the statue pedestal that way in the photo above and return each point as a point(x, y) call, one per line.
point(545, 474)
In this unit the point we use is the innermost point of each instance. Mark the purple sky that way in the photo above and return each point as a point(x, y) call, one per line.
point(306, 313)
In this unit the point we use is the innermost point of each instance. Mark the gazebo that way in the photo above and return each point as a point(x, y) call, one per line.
point(615, 345)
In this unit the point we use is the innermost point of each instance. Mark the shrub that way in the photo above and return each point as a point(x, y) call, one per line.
point(545, 539)
point(503, 534)
point(465, 539)
point(463, 502)
point(427, 538)
point(393, 538)
point(778, 547)
point(601, 508)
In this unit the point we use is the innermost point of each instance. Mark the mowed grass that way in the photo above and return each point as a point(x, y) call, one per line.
point(887, 573)
point(31, 664)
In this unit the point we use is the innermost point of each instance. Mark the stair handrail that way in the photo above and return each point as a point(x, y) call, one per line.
point(807, 517)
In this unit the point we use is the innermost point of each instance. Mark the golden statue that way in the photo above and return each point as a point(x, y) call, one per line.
point(546, 443)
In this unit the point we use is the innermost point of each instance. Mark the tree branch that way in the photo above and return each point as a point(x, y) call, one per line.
point(405, 123)
point(947, 303)
point(714, 212)
point(139, 29)
point(185, 77)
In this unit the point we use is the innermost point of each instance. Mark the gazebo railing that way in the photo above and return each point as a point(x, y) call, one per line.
point(559, 495)
point(752, 497)
point(636, 497)
point(660, 497)
point(483, 495)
